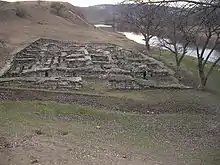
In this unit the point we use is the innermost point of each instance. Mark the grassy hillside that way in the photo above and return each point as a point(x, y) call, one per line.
point(189, 65)
point(51, 133)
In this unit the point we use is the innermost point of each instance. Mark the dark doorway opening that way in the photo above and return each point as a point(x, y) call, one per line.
point(46, 74)
point(144, 74)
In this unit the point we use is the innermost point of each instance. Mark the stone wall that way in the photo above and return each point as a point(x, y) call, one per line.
point(43, 83)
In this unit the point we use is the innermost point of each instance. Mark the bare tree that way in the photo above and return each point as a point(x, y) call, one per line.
point(144, 17)
point(209, 32)
point(207, 3)
point(204, 33)
point(176, 35)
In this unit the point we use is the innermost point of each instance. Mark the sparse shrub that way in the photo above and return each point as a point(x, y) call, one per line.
point(21, 12)
point(3, 50)
point(56, 8)
point(2, 43)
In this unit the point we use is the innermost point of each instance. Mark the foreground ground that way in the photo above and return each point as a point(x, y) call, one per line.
point(34, 132)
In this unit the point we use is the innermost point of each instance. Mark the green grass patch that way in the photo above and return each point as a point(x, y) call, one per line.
point(17, 111)
point(190, 64)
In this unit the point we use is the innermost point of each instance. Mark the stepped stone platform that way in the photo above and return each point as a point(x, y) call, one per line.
point(63, 65)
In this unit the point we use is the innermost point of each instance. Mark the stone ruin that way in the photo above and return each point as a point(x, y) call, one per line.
point(59, 65)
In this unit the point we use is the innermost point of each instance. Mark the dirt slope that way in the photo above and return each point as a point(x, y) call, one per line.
point(39, 21)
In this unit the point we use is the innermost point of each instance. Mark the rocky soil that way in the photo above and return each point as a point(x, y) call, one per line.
point(107, 102)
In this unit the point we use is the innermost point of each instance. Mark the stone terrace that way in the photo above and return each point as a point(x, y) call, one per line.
point(59, 65)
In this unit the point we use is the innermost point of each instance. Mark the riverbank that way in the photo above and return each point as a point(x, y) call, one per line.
point(155, 42)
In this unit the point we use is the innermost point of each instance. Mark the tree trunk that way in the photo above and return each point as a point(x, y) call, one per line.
point(177, 67)
point(147, 44)
point(146, 39)
point(178, 62)
point(203, 78)
point(203, 81)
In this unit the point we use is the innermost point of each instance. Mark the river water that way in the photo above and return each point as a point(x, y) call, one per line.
point(154, 42)
point(103, 26)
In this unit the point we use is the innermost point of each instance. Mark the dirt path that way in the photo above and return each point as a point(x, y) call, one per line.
point(104, 102)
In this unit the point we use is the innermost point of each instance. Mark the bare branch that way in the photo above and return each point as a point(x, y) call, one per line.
point(211, 51)
point(212, 67)
point(195, 2)
point(145, 17)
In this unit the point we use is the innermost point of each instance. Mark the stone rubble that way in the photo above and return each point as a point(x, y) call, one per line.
point(59, 65)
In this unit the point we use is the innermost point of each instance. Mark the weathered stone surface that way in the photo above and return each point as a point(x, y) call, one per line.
point(119, 71)
point(71, 83)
